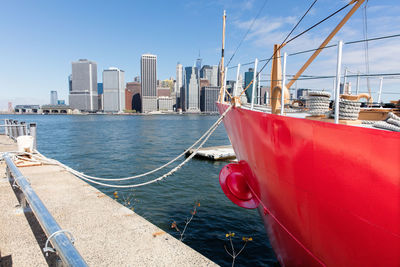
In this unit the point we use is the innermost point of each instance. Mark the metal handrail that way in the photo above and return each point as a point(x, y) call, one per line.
point(68, 254)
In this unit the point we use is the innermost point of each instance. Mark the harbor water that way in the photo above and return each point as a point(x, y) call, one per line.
point(119, 146)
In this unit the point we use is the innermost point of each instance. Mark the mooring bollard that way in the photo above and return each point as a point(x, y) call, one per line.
point(24, 130)
point(21, 128)
point(32, 132)
point(14, 129)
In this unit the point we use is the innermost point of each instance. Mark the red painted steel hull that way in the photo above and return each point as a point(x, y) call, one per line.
point(329, 194)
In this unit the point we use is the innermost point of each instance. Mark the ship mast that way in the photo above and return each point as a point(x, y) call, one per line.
point(326, 41)
point(276, 86)
point(222, 67)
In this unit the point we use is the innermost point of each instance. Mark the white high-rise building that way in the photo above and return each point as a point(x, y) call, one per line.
point(179, 77)
point(192, 92)
point(113, 90)
point(83, 86)
point(53, 97)
point(210, 73)
point(148, 74)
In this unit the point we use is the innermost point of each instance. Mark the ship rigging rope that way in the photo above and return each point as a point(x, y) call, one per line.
point(284, 42)
point(39, 157)
point(248, 31)
point(328, 46)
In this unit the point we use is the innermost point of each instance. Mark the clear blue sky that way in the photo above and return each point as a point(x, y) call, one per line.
point(41, 38)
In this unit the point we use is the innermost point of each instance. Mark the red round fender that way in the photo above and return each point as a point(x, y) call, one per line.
point(233, 180)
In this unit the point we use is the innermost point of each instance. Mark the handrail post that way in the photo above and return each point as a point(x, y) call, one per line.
point(259, 89)
point(358, 82)
point(283, 83)
point(337, 91)
point(254, 83)
point(235, 92)
point(32, 132)
point(380, 90)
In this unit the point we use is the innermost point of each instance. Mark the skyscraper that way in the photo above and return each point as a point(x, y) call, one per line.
point(53, 97)
point(198, 64)
point(179, 77)
point(114, 90)
point(248, 77)
point(208, 98)
point(148, 74)
point(210, 73)
point(83, 86)
point(192, 94)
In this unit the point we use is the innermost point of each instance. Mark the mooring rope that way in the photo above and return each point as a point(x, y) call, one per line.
point(348, 110)
point(92, 179)
point(318, 102)
point(392, 123)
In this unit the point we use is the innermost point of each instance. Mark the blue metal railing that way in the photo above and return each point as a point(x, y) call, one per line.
point(58, 238)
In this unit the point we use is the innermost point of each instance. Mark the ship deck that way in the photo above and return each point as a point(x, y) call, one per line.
point(301, 114)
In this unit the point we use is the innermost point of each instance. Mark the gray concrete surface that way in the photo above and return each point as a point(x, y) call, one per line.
point(106, 232)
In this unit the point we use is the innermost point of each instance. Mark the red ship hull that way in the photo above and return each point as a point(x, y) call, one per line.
point(329, 194)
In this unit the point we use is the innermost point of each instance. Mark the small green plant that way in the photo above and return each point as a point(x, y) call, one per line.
point(188, 220)
point(233, 253)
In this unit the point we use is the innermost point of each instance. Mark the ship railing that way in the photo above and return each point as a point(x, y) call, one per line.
point(255, 88)
point(14, 129)
point(61, 243)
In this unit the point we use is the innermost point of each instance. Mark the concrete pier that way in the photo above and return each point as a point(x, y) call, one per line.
point(106, 233)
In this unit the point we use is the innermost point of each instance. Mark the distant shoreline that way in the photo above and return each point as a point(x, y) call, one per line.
point(112, 114)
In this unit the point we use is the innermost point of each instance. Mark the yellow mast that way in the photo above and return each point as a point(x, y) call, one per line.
point(326, 41)
point(222, 67)
point(276, 84)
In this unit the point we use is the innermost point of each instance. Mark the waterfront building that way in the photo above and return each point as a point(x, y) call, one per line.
point(248, 77)
point(178, 101)
point(179, 77)
point(114, 90)
point(203, 82)
point(83, 86)
point(27, 109)
point(70, 83)
point(210, 73)
point(132, 96)
point(192, 94)
point(56, 109)
point(174, 98)
point(182, 99)
point(302, 93)
point(264, 94)
point(148, 74)
point(163, 92)
point(100, 95)
point(208, 98)
point(53, 97)
point(165, 103)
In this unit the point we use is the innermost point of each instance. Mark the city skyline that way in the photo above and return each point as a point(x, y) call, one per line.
point(42, 44)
